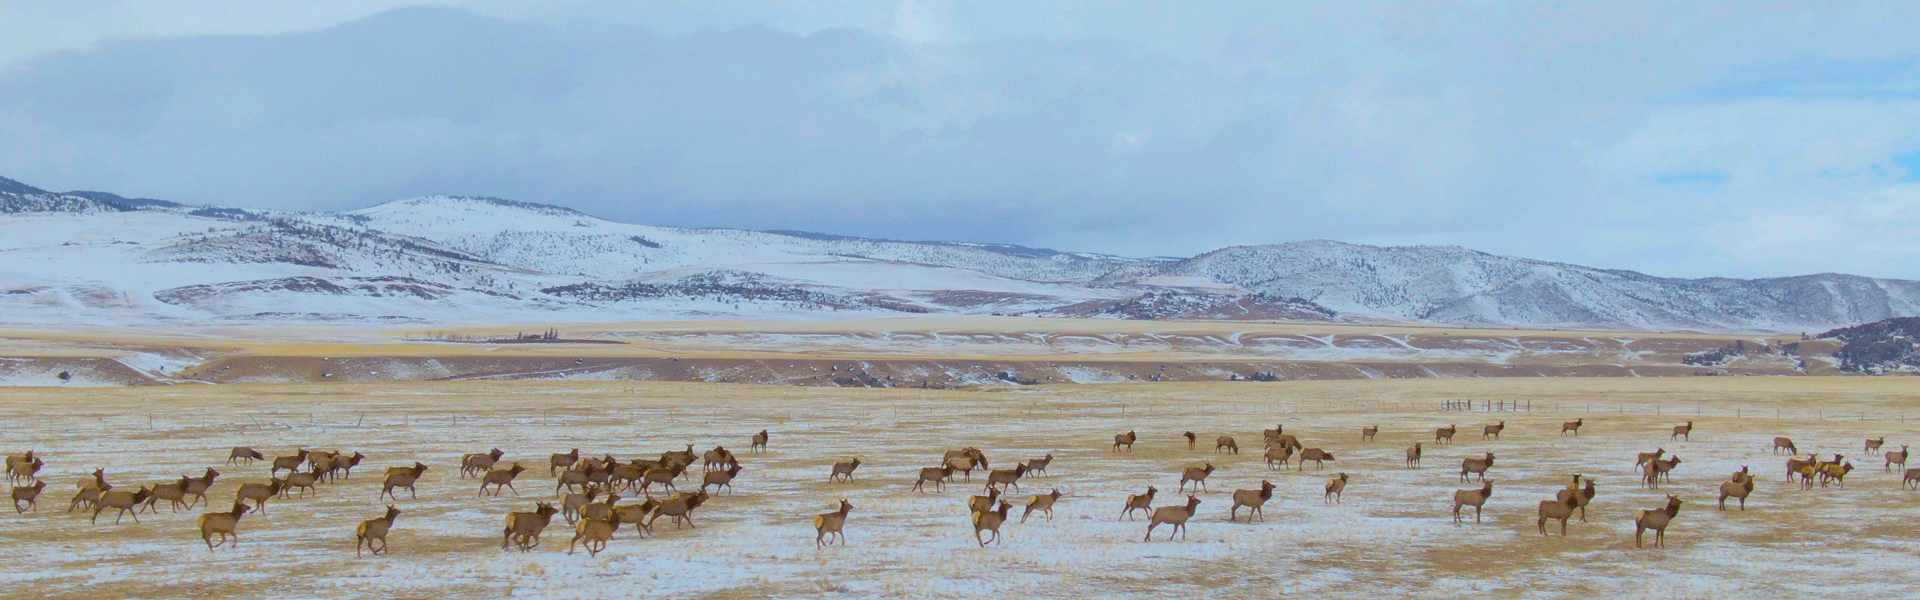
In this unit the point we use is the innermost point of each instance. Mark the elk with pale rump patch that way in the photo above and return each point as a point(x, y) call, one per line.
point(635, 514)
point(843, 471)
point(224, 523)
point(500, 478)
point(1640, 461)
point(1558, 509)
point(938, 475)
point(1125, 439)
point(571, 504)
point(198, 486)
point(1041, 503)
point(1656, 519)
point(664, 476)
point(300, 481)
point(1573, 426)
point(983, 503)
point(243, 453)
point(1580, 497)
point(1740, 486)
point(1139, 502)
point(1897, 458)
point(175, 493)
point(990, 521)
point(476, 465)
point(402, 477)
point(1172, 515)
point(258, 493)
point(1832, 473)
point(289, 463)
point(90, 490)
point(1474, 498)
point(30, 494)
point(1658, 469)
point(1682, 432)
point(831, 524)
point(965, 460)
point(1912, 478)
point(124, 500)
point(1280, 454)
point(1444, 434)
point(1476, 466)
point(680, 507)
point(523, 528)
point(1007, 477)
point(24, 466)
point(596, 532)
point(1253, 500)
point(1196, 475)
point(720, 479)
point(1318, 456)
point(1225, 442)
point(717, 459)
point(1493, 430)
point(1794, 465)
point(1784, 443)
point(1335, 487)
point(1039, 465)
point(375, 529)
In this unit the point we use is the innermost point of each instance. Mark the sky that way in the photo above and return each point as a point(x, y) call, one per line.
point(1686, 139)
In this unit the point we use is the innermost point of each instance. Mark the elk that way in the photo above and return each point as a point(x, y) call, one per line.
point(1873, 444)
point(1794, 465)
point(1413, 456)
point(198, 486)
point(1912, 477)
point(241, 453)
point(1739, 487)
point(30, 494)
point(597, 532)
point(1476, 466)
point(682, 458)
point(476, 465)
point(1039, 465)
point(571, 504)
point(1191, 439)
point(1684, 432)
point(1139, 502)
point(965, 460)
point(523, 528)
point(1007, 477)
point(302, 481)
point(1558, 509)
point(90, 490)
point(499, 478)
point(759, 442)
point(635, 514)
point(716, 459)
point(680, 507)
point(1367, 433)
point(1335, 487)
point(1784, 443)
point(1124, 439)
point(720, 479)
point(1833, 473)
point(345, 465)
point(983, 503)
point(1444, 434)
point(1225, 442)
point(1172, 515)
point(1897, 458)
point(1580, 498)
point(602, 510)
point(562, 461)
point(570, 479)
point(175, 493)
point(121, 499)
point(1474, 498)
point(990, 520)
point(1573, 426)
point(259, 493)
point(223, 523)
point(831, 524)
point(1656, 519)
point(663, 476)
point(1197, 475)
point(1041, 503)
point(1318, 456)
point(843, 471)
point(1284, 440)
point(937, 475)
point(1641, 461)
point(1493, 430)
point(1280, 454)
point(1253, 500)
point(375, 529)
point(23, 466)
point(402, 477)
point(289, 463)
point(1658, 469)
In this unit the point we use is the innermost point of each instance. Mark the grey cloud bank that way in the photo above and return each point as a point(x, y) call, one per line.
point(1687, 141)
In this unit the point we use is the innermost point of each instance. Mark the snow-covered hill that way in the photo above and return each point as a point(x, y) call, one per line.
point(93, 257)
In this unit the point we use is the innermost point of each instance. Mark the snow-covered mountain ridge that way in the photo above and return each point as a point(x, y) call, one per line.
point(93, 257)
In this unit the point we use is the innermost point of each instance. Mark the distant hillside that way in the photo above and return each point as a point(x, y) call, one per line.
point(1879, 347)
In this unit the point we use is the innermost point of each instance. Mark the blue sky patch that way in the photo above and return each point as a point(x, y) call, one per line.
point(1683, 177)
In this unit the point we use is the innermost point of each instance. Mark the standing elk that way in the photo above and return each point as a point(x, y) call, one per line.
point(1897, 458)
point(1172, 515)
point(1573, 426)
point(1124, 439)
point(759, 443)
point(1682, 432)
point(1367, 433)
point(1191, 439)
point(1656, 519)
point(1335, 487)
point(1413, 456)
point(831, 524)
point(1739, 487)
point(1253, 500)
point(1493, 430)
point(1474, 498)
point(1444, 434)
point(1475, 466)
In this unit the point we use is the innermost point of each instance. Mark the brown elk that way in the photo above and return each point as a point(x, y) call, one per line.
point(680, 507)
point(1139, 502)
point(499, 478)
point(1794, 465)
point(1007, 477)
point(990, 520)
point(1225, 442)
point(1476, 466)
point(1682, 432)
point(1253, 500)
point(243, 453)
point(1659, 469)
point(1413, 456)
point(175, 493)
point(259, 493)
point(1474, 498)
point(664, 476)
point(301, 481)
point(1335, 487)
point(1196, 475)
point(596, 532)
point(1191, 438)
point(476, 465)
point(402, 477)
point(982, 503)
point(1280, 454)
point(90, 490)
point(224, 523)
point(1493, 430)
point(375, 529)
point(289, 463)
point(23, 466)
point(1912, 478)
point(1367, 433)
point(717, 459)
point(938, 475)
point(1041, 503)
point(30, 494)
point(1784, 443)
point(1172, 515)
point(1124, 439)
point(562, 461)
point(720, 479)
point(1444, 435)
point(1558, 509)
point(121, 499)
point(1039, 465)
point(1656, 519)
point(831, 524)
point(1640, 462)
point(1873, 444)
point(965, 460)
point(1580, 498)
point(843, 471)
point(1897, 458)
point(523, 528)
point(759, 443)
point(1318, 456)
point(1739, 487)
point(198, 486)
point(1573, 426)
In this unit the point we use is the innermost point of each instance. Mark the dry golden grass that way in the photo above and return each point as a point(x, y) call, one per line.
point(1392, 537)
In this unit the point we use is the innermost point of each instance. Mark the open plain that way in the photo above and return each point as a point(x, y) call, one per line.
point(1391, 536)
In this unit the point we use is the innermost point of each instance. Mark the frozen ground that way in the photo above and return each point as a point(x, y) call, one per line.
point(1392, 537)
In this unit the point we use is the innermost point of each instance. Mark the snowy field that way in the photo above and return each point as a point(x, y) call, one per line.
point(1391, 537)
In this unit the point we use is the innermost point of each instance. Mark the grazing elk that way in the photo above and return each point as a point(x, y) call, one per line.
point(1784, 443)
point(1225, 442)
point(375, 529)
point(1682, 432)
point(224, 523)
point(1739, 487)
point(717, 459)
point(523, 528)
point(1573, 426)
point(1656, 519)
point(1335, 487)
point(1124, 439)
point(1139, 502)
point(1196, 475)
point(1444, 434)
point(1474, 498)
point(1475, 466)
point(1172, 515)
point(1493, 430)
point(1041, 503)
point(843, 471)
point(1253, 500)
point(831, 524)
point(1318, 456)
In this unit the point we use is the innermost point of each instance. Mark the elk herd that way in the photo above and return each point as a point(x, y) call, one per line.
point(590, 489)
